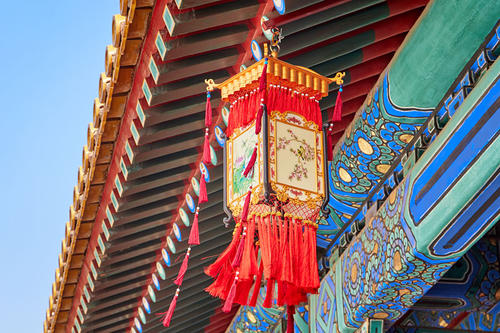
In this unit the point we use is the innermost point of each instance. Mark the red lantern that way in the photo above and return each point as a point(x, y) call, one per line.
point(275, 184)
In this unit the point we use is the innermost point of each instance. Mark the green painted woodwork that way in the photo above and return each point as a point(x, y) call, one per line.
point(147, 92)
point(118, 186)
point(129, 152)
point(469, 184)
point(138, 108)
point(83, 304)
point(105, 230)
point(79, 314)
point(123, 168)
point(169, 20)
point(448, 34)
point(153, 69)
point(372, 326)
point(160, 46)
point(110, 217)
point(97, 257)
point(93, 270)
point(135, 133)
point(393, 249)
point(114, 201)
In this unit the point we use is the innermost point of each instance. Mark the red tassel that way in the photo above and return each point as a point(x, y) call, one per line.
point(274, 242)
point(329, 142)
point(251, 162)
point(208, 112)
point(203, 197)
point(239, 252)
point(246, 205)
point(248, 265)
point(313, 260)
point(263, 77)
point(206, 149)
point(281, 293)
point(290, 311)
point(256, 288)
point(337, 111)
point(242, 291)
point(258, 118)
point(228, 304)
point(183, 269)
point(194, 234)
point(214, 269)
point(170, 311)
point(268, 301)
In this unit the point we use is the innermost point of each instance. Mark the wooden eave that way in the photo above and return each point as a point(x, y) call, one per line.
point(128, 30)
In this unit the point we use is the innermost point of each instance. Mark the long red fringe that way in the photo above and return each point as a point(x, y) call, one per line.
point(256, 288)
point(244, 108)
point(248, 266)
point(268, 301)
point(227, 256)
point(290, 311)
point(239, 252)
point(230, 297)
point(288, 260)
point(246, 205)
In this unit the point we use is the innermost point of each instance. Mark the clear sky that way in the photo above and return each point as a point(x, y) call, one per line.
point(51, 55)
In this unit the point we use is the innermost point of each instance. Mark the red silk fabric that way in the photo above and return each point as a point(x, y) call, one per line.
point(244, 109)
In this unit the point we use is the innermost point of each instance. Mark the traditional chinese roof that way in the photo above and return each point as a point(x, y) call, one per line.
point(128, 222)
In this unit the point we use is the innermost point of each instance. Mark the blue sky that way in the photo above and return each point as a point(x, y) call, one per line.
point(51, 55)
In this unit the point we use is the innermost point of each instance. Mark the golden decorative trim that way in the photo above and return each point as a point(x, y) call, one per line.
point(295, 217)
point(102, 104)
point(303, 79)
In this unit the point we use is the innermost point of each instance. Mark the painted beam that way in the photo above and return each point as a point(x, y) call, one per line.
point(392, 115)
point(416, 235)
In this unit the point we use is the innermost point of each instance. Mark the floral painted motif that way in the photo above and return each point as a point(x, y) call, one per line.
point(304, 153)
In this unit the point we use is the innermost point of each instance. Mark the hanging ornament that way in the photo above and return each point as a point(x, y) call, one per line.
point(275, 182)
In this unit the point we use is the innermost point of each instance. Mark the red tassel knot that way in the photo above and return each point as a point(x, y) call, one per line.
point(239, 253)
point(208, 112)
point(206, 149)
point(183, 269)
point(337, 111)
point(251, 162)
point(202, 197)
point(329, 142)
point(171, 308)
point(228, 304)
point(194, 234)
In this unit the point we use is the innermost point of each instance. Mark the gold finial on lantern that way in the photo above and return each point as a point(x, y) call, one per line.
point(211, 85)
point(266, 50)
point(276, 40)
point(338, 78)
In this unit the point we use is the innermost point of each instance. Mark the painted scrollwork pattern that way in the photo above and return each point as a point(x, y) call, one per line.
point(383, 276)
point(370, 145)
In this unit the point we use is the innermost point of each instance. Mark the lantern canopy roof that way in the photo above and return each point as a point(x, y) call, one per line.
point(279, 72)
